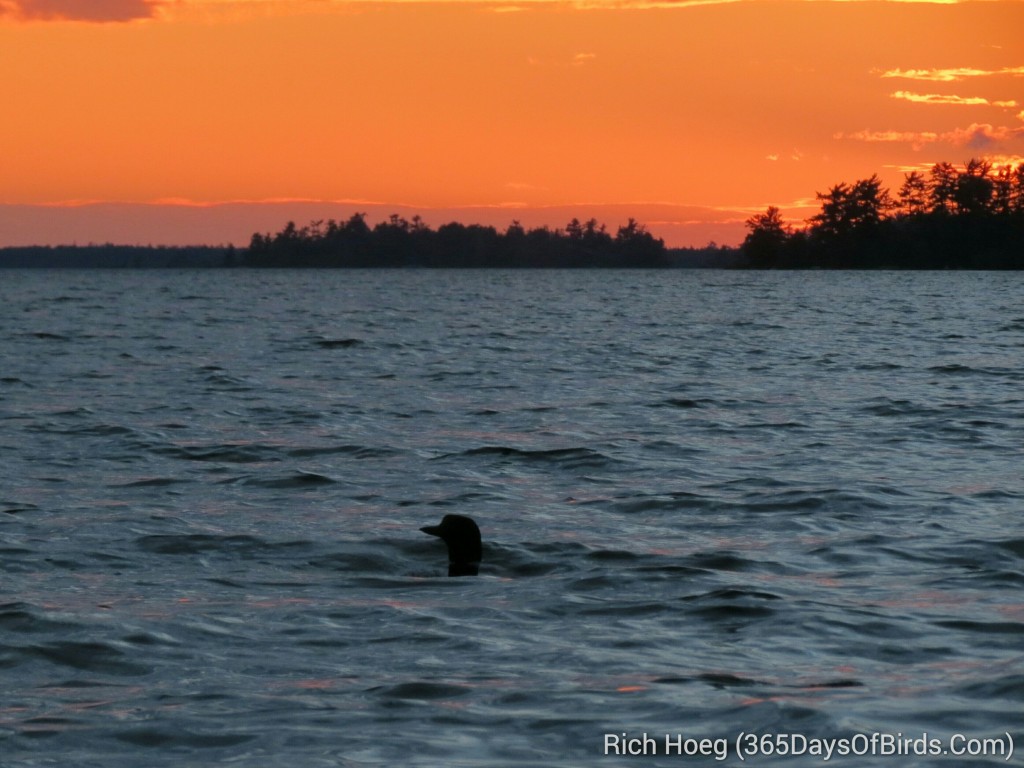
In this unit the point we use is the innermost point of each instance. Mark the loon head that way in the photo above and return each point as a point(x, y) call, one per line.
point(462, 536)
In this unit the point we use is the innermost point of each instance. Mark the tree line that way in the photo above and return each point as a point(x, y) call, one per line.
point(399, 242)
point(946, 219)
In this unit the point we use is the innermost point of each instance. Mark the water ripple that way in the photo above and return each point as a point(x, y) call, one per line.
point(711, 502)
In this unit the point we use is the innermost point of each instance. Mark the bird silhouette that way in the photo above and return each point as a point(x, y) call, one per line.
point(462, 536)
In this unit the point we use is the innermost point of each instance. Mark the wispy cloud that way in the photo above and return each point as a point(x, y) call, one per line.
point(940, 98)
point(951, 75)
point(997, 160)
point(978, 136)
point(894, 137)
point(983, 136)
point(796, 156)
point(943, 98)
point(80, 10)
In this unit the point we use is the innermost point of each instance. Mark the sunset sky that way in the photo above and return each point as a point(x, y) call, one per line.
point(182, 121)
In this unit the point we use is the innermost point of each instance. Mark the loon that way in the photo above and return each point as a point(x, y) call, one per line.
point(462, 536)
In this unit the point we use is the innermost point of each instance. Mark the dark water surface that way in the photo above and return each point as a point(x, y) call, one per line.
point(787, 505)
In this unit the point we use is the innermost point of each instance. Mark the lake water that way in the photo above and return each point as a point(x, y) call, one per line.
point(723, 513)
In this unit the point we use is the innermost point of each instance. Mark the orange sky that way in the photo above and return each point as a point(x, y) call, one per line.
point(499, 109)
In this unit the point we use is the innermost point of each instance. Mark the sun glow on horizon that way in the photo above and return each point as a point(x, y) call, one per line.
point(451, 106)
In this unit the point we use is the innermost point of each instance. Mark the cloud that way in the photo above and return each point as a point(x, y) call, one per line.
point(939, 98)
point(917, 139)
point(951, 75)
point(80, 10)
point(979, 136)
point(982, 136)
point(796, 156)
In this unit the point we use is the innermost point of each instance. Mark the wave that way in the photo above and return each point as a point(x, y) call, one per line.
point(150, 482)
point(683, 402)
point(167, 738)
point(298, 479)
point(240, 453)
point(956, 369)
point(25, 618)
point(566, 458)
point(94, 656)
point(353, 450)
point(337, 343)
point(422, 691)
point(16, 507)
point(202, 543)
point(48, 336)
point(1010, 688)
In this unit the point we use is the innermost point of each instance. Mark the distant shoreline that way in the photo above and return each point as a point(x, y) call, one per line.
point(948, 219)
point(229, 257)
point(119, 257)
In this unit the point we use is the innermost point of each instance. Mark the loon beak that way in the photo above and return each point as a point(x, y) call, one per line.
point(433, 530)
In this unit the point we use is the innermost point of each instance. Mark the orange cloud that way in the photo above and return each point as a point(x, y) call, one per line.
point(951, 75)
point(939, 98)
point(906, 137)
point(980, 136)
point(80, 10)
